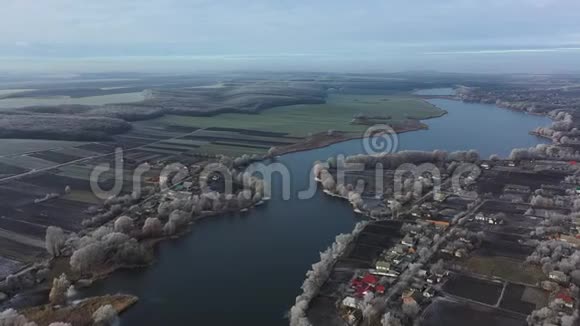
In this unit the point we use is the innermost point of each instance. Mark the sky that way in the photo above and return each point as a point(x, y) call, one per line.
point(371, 35)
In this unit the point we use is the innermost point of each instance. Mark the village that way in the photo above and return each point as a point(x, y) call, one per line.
point(503, 247)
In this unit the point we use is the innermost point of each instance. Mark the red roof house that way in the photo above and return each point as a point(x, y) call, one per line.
point(370, 279)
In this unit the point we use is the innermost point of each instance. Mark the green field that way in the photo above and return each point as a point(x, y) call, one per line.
point(13, 103)
point(301, 120)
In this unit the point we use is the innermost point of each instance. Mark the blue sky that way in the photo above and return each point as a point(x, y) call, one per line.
point(269, 34)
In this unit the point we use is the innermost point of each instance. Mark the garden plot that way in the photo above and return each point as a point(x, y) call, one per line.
point(444, 312)
point(523, 299)
point(474, 289)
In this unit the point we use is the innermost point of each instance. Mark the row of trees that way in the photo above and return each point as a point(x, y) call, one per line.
point(392, 161)
point(319, 273)
point(545, 152)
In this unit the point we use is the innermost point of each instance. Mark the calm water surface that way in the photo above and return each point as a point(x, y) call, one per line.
point(247, 269)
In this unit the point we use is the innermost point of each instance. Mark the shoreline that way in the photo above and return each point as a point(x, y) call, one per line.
point(305, 146)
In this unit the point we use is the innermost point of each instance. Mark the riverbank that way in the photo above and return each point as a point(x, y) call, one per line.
point(79, 313)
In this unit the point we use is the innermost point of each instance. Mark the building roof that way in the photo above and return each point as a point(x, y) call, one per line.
point(350, 302)
point(409, 300)
point(565, 297)
point(370, 279)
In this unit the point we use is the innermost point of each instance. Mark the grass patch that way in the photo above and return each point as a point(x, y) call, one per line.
point(505, 268)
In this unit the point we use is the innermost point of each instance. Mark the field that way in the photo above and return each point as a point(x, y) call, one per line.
point(302, 120)
point(238, 133)
point(505, 268)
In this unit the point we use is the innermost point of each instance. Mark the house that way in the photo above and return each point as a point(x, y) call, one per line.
point(566, 298)
point(429, 292)
point(382, 266)
point(401, 266)
point(350, 302)
point(380, 289)
point(399, 249)
point(439, 224)
point(558, 276)
point(398, 259)
point(480, 217)
point(408, 240)
point(364, 285)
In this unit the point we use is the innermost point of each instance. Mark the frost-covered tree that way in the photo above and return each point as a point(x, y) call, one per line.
point(11, 317)
point(105, 316)
point(169, 228)
point(124, 224)
point(163, 209)
point(55, 240)
point(58, 293)
point(152, 227)
point(88, 257)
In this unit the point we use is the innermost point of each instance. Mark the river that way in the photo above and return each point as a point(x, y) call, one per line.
point(246, 269)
